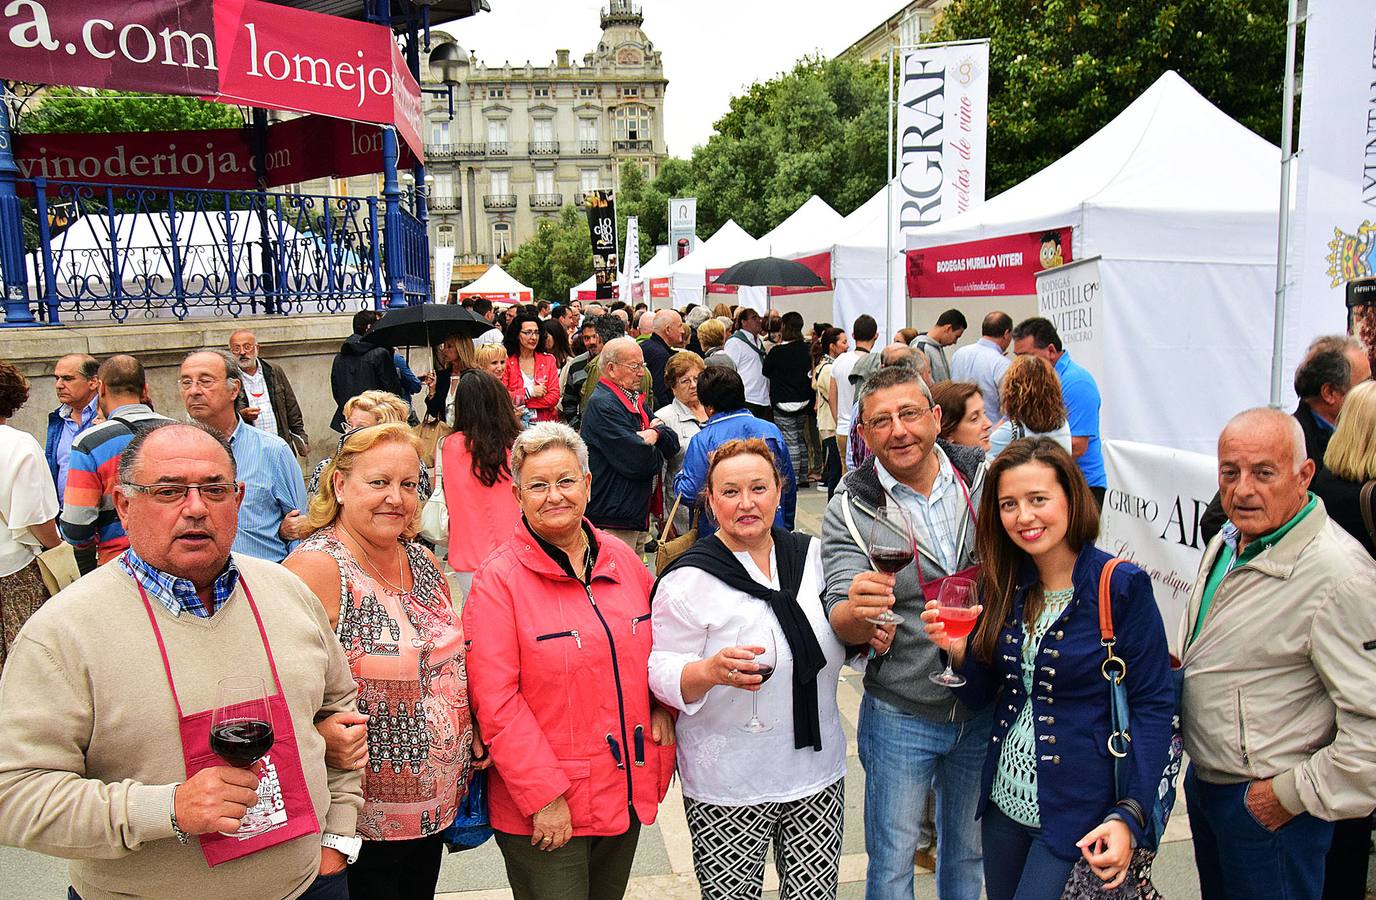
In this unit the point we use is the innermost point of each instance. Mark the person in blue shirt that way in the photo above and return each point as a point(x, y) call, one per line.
point(74, 378)
point(722, 394)
point(274, 491)
point(1038, 337)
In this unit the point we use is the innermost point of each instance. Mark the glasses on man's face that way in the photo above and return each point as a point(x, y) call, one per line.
point(634, 367)
point(211, 492)
point(205, 382)
point(908, 415)
point(564, 485)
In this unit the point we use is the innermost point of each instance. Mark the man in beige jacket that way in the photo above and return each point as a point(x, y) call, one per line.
point(1280, 674)
point(102, 756)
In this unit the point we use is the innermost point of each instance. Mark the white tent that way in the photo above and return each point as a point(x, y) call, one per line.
point(811, 225)
point(688, 277)
point(1180, 202)
point(499, 287)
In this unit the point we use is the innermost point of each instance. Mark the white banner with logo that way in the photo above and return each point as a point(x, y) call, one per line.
point(683, 227)
point(444, 273)
point(1334, 236)
point(1151, 514)
point(1071, 296)
point(941, 138)
point(630, 260)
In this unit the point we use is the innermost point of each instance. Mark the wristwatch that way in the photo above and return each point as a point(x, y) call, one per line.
point(349, 846)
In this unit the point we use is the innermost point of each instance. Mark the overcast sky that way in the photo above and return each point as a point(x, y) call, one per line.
point(711, 48)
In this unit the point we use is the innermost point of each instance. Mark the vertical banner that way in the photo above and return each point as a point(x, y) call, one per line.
point(1334, 239)
point(1072, 297)
point(942, 133)
point(630, 265)
point(602, 228)
point(1151, 514)
point(444, 273)
point(683, 227)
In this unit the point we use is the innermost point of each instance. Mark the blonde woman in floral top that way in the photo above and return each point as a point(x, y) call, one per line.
point(389, 603)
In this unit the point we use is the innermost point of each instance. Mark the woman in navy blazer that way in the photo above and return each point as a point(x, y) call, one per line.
point(1049, 774)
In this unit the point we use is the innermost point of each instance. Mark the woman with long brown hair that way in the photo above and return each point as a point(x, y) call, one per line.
point(1030, 396)
point(1049, 795)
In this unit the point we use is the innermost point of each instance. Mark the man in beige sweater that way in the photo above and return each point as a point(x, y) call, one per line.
point(91, 742)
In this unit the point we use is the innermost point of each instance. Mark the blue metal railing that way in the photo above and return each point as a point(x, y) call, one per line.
point(110, 251)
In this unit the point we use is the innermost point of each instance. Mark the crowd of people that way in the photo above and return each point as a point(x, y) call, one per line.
point(463, 594)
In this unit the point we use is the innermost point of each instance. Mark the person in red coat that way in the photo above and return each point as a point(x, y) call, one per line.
point(531, 377)
point(559, 628)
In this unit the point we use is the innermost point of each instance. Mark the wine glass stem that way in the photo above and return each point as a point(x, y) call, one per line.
point(754, 706)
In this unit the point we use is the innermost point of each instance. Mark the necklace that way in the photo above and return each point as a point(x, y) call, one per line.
point(377, 573)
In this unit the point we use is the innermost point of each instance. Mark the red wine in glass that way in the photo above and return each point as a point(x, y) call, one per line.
point(890, 551)
point(764, 672)
point(759, 634)
point(241, 734)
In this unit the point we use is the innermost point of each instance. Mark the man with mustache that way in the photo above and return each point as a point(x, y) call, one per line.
point(105, 753)
point(267, 400)
point(274, 491)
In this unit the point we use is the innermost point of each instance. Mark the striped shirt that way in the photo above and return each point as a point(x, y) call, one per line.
point(179, 594)
point(273, 487)
point(937, 518)
point(88, 506)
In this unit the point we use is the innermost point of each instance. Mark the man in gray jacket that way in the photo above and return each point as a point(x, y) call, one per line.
point(911, 731)
point(949, 326)
point(1279, 661)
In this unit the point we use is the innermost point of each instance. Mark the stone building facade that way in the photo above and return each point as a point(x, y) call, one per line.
point(909, 25)
point(525, 141)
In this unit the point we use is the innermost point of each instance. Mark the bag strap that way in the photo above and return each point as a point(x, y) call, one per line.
point(1106, 605)
point(669, 522)
point(1366, 509)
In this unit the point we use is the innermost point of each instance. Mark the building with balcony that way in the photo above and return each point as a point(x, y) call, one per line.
point(909, 25)
point(524, 141)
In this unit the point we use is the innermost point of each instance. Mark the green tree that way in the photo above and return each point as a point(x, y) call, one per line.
point(1062, 69)
point(630, 200)
point(557, 258)
point(66, 109)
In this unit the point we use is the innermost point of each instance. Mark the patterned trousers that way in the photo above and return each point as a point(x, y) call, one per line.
point(792, 426)
point(20, 596)
point(730, 843)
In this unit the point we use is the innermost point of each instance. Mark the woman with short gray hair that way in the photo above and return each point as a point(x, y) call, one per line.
point(559, 627)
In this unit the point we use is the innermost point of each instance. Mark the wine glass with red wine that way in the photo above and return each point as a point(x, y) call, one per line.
point(957, 598)
point(759, 634)
point(241, 734)
point(890, 551)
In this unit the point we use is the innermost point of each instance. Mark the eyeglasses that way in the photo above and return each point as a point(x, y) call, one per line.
point(525, 333)
point(686, 380)
point(211, 492)
point(634, 367)
point(541, 488)
point(205, 382)
point(908, 415)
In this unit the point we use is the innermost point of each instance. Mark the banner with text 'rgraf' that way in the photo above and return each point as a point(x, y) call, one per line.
point(942, 130)
point(1151, 514)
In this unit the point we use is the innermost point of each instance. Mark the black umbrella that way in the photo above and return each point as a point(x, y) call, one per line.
point(426, 324)
point(770, 271)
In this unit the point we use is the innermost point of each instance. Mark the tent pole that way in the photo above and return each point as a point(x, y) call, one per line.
point(1287, 155)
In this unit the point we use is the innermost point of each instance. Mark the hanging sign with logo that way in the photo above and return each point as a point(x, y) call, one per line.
point(683, 226)
point(235, 51)
point(602, 228)
point(1071, 296)
point(992, 267)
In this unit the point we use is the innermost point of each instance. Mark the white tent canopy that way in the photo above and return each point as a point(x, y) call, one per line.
point(811, 225)
point(730, 245)
point(1180, 202)
point(496, 285)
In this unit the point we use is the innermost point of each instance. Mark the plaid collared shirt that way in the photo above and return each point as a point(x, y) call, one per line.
point(178, 594)
point(937, 518)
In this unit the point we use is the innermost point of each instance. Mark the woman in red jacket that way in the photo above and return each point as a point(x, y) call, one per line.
point(558, 624)
point(531, 377)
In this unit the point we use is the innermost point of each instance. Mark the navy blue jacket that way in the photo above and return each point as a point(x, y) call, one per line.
point(50, 443)
point(1070, 701)
point(623, 466)
point(657, 352)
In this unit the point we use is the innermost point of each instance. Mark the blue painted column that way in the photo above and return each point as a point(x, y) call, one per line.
point(13, 283)
point(422, 208)
point(392, 239)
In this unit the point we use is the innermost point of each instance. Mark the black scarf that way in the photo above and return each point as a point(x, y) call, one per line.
point(790, 554)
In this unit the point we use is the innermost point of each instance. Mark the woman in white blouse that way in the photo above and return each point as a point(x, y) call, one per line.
point(28, 513)
point(686, 417)
point(744, 791)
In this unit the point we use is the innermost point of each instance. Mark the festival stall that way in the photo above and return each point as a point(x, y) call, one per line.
point(499, 287)
point(691, 276)
point(657, 267)
point(811, 225)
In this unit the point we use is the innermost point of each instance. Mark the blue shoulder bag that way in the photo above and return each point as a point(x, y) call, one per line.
point(471, 826)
